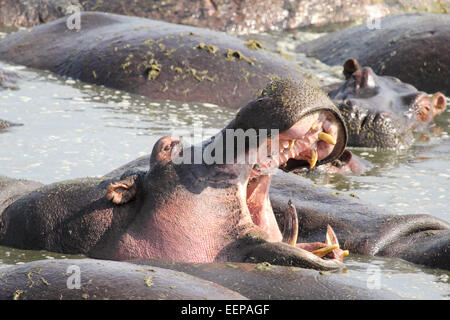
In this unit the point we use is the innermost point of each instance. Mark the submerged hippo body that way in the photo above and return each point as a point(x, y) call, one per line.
point(104, 280)
point(193, 212)
point(222, 15)
point(412, 47)
point(382, 111)
point(152, 58)
point(152, 279)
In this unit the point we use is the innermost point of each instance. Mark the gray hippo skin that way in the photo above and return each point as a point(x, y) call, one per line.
point(153, 279)
point(104, 280)
point(190, 212)
point(223, 15)
point(382, 111)
point(266, 281)
point(152, 58)
point(412, 47)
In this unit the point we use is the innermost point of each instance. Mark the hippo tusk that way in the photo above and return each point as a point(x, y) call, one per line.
point(322, 252)
point(290, 230)
point(291, 144)
point(313, 160)
point(331, 239)
point(327, 138)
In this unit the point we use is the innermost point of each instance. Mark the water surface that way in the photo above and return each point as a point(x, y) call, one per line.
point(72, 130)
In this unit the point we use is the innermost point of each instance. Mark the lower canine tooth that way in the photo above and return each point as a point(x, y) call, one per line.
point(313, 160)
point(327, 138)
point(322, 252)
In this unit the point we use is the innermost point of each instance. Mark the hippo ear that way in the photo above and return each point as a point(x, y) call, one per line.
point(439, 103)
point(350, 66)
point(122, 191)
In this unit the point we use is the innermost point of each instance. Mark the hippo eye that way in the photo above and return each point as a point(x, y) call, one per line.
point(167, 148)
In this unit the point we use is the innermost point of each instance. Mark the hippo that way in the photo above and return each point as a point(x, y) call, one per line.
point(361, 227)
point(412, 47)
point(99, 280)
point(215, 208)
point(156, 279)
point(239, 17)
point(152, 58)
point(382, 111)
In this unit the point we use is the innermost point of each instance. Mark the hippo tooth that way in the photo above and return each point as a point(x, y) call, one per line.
point(322, 252)
point(291, 144)
point(327, 138)
point(313, 160)
point(285, 144)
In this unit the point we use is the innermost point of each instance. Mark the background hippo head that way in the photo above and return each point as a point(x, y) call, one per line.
point(382, 111)
point(188, 210)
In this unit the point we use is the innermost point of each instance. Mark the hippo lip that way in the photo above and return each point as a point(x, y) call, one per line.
point(310, 140)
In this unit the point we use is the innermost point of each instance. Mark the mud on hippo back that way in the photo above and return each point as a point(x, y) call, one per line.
point(153, 58)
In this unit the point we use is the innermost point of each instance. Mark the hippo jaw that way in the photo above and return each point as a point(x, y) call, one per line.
point(306, 143)
point(382, 111)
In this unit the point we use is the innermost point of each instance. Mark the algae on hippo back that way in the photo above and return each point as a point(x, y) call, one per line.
point(145, 60)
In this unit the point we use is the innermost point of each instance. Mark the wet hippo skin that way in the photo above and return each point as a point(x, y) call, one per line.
point(104, 280)
point(382, 111)
point(152, 58)
point(412, 47)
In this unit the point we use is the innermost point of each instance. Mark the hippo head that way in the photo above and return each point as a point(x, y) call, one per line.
point(217, 207)
point(382, 111)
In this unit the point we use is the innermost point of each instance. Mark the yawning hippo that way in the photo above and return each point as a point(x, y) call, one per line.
point(152, 58)
point(195, 211)
point(382, 111)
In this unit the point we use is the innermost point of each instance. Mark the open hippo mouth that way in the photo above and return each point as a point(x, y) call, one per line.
point(312, 140)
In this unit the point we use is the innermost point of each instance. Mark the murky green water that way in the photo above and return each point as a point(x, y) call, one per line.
point(73, 130)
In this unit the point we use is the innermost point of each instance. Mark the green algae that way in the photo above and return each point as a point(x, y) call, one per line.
point(207, 47)
point(153, 69)
point(254, 45)
point(232, 55)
